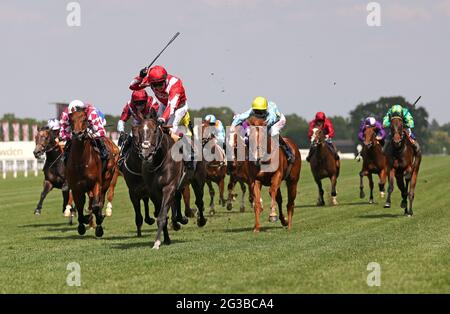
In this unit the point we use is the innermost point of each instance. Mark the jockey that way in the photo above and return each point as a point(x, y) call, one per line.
point(217, 129)
point(96, 127)
point(322, 122)
point(373, 123)
point(139, 107)
point(408, 121)
point(53, 124)
point(173, 108)
point(275, 121)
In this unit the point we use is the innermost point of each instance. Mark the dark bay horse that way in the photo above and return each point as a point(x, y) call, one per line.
point(85, 173)
point(272, 178)
point(164, 178)
point(323, 165)
point(239, 173)
point(131, 169)
point(374, 162)
point(403, 164)
point(215, 164)
point(54, 170)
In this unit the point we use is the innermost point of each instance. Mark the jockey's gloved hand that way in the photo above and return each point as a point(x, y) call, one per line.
point(122, 138)
point(143, 72)
point(160, 121)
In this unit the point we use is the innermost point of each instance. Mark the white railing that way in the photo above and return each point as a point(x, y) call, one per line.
point(18, 157)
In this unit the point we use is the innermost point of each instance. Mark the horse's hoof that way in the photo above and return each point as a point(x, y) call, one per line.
point(403, 204)
point(334, 201)
point(81, 229)
point(37, 212)
point(183, 220)
point(362, 194)
point(139, 233)
point(255, 230)
point(212, 212)
point(67, 212)
point(371, 201)
point(70, 221)
point(167, 241)
point(176, 226)
point(382, 194)
point(273, 218)
point(320, 203)
point(108, 212)
point(284, 223)
point(201, 221)
point(229, 206)
point(156, 245)
point(149, 221)
point(99, 231)
point(242, 209)
point(189, 212)
point(387, 205)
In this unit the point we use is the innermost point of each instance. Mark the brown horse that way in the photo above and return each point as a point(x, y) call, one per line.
point(274, 174)
point(323, 165)
point(54, 170)
point(239, 173)
point(403, 164)
point(374, 162)
point(85, 173)
point(215, 163)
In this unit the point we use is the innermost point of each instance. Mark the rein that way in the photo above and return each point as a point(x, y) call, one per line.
point(155, 151)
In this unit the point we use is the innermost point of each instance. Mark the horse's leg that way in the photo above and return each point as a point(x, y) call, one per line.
point(274, 188)
point(412, 189)
point(320, 200)
point(148, 220)
point(382, 183)
point(138, 220)
point(401, 186)
point(176, 212)
point(243, 189)
point(80, 199)
point(48, 186)
point(211, 195)
point(188, 212)
point(371, 185)
point(391, 175)
point(361, 185)
point(66, 207)
point(333, 190)
point(168, 193)
point(256, 187)
point(198, 191)
point(97, 209)
point(292, 194)
point(221, 191)
point(111, 190)
point(280, 208)
point(231, 185)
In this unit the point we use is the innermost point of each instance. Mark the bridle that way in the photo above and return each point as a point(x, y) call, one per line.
point(146, 145)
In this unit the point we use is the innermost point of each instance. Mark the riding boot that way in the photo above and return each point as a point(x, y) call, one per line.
point(290, 156)
point(104, 154)
point(308, 158)
point(125, 147)
point(229, 168)
point(66, 151)
point(416, 147)
point(333, 150)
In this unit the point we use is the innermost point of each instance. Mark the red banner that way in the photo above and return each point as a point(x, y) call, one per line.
point(25, 132)
point(16, 127)
point(34, 129)
point(5, 126)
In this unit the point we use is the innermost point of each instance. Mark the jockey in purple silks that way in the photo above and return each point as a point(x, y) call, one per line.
point(371, 122)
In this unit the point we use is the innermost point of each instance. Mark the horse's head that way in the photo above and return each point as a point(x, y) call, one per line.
point(147, 139)
point(45, 141)
point(397, 131)
point(258, 134)
point(369, 136)
point(318, 137)
point(79, 124)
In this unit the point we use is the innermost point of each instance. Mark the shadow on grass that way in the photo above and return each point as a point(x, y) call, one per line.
point(250, 229)
point(39, 225)
point(69, 237)
point(147, 244)
point(381, 216)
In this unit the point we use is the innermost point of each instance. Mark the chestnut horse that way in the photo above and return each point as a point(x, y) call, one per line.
point(403, 164)
point(54, 170)
point(85, 173)
point(323, 165)
point(239, 174)
point(274, 174)
point(374, 162)
point(215, 163)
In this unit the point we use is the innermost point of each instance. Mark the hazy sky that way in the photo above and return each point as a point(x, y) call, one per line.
point(291, 51)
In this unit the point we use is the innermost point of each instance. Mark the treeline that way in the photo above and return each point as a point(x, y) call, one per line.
point(434, 138)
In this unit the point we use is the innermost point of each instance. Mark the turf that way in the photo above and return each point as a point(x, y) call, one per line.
point(327, 251)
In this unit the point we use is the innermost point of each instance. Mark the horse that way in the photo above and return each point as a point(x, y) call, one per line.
point(54, 176)
point(216, 169)
point(86, 173)
point(164, 177)
point(403, 164)
point(131, 169)
point(239, 173)
point(284, 171)
point(374, 162)
point(323, 165)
